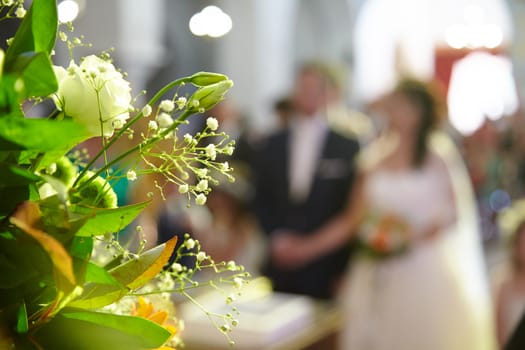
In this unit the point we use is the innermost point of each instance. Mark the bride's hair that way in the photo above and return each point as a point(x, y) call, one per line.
point(425, 97)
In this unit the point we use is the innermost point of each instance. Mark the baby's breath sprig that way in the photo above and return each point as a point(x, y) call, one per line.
point(12, 8)
point(180, 278)
point(190, 156)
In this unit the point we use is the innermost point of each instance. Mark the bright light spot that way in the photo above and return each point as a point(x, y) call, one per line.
point(211, 21)
point(493, 36)
point(481, 86)
point(456, 36)
point(68, 11)
point(198, 26)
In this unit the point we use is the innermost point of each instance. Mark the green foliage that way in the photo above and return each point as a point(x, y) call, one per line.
point(87, 330)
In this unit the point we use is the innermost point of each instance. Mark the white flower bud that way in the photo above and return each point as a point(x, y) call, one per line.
point(202, 186)
point(200, 199)
point(184, 188)
point(238, 282)
point(152, 125)
point(167, 105)
point(118, 124)
point(229, 150)
point(190, 244)
point(211, 151)
point(231, 265)
point(147, 110)
point(131, 175)
point(212, 123)
point(176, 267)
point(62, 36)
point(225, 166)
point(20, 12)
point(201, 256)
point(164, 120)
point(201, 173)
point(188, 138)
point(181, 102)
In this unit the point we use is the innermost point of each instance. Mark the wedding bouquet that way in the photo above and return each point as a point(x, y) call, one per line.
point(383, 236)
point(67, 280)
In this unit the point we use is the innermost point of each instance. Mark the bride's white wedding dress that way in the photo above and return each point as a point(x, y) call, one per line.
point(434, 296)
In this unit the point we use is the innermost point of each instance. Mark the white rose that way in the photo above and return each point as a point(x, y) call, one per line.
point(78, 88)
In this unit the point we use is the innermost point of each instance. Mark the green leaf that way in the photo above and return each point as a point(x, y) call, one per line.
point(97, 274)
point(137, 272)
point(132, 274)
point(9, 98)
point(22, 324)
point(26, 218)
point(81, 247)
point(14, 176)
point(99, 295)
point(86, 330)
point(107, 220)
point(41, 134)
point(37, 32)
point(16, 195)
point(36, 71)
point(20, 261)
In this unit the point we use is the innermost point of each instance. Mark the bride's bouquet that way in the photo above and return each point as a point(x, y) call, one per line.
point(384, 236)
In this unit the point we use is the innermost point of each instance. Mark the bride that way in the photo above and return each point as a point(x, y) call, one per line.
point(424, 288)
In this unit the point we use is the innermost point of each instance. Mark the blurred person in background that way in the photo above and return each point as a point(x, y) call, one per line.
point(303, 174)
point(420, 281)
point(510, 301)
point(349, 122)
point(226, 226)
point(283, 109)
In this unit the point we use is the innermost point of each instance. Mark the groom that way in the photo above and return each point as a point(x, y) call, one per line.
point(303, 177)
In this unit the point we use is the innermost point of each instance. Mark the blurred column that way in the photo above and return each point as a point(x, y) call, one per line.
point(275, 23)
point(141, 28)
point(517, 49)
point(258, 54)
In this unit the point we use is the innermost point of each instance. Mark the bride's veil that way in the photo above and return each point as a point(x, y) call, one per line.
point(463, 250)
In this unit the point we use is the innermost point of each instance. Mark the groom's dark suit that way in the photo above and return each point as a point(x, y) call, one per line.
point(332, 182)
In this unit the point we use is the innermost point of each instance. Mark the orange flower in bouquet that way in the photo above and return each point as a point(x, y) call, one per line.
point(383, 236)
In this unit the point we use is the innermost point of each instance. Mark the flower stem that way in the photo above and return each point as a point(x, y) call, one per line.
point(179, 121)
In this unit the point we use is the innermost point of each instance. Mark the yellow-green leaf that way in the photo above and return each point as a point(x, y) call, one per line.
point(137, 272)
point(26, 218)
